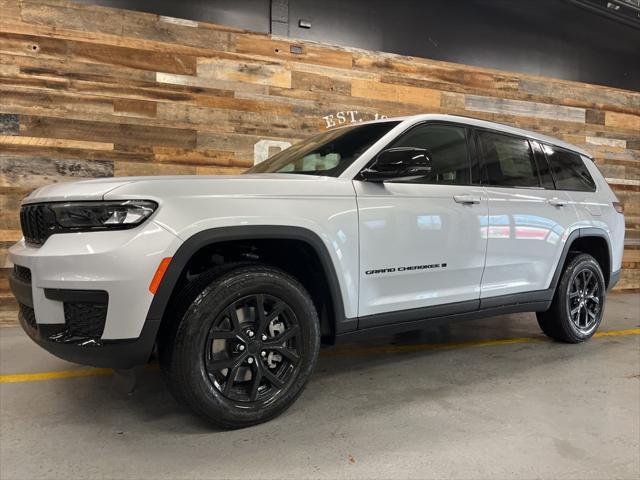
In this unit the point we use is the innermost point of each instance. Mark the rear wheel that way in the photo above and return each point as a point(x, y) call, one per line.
point(245, 346)
point(576, 311)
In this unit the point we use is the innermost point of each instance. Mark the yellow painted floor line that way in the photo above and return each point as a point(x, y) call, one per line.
point(80, 372)
point(34, 377)
point(365, 350)
point(618, 333)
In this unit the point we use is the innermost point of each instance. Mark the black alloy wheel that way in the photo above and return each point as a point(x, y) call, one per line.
point(252, 350)
point(584, 300)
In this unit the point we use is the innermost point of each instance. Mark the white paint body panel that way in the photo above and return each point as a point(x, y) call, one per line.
point(120, 262)
point(525, 238)
point(84, 190)
point(404, 225)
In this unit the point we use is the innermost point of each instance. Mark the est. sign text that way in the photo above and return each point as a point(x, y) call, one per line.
point(348, 116)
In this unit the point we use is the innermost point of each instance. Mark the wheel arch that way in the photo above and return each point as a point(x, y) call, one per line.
point(591, 240)
point(221, 235)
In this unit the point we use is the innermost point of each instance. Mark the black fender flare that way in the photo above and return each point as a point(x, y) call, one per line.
point(580, 233)
point(248, 232)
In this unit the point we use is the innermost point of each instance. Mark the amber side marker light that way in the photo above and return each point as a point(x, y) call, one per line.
point(618, 207)
point(157, 277)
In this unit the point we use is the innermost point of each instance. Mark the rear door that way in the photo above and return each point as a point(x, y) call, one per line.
point(421, 242)
point(529, 220)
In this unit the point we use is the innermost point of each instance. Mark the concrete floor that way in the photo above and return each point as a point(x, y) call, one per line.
point(383, 409)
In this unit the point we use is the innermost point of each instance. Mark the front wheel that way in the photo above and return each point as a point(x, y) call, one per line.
point(576, 311)
point(245, 346)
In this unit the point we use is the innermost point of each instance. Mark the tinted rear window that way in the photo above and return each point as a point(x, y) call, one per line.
point(507, 160)
point(569, 170)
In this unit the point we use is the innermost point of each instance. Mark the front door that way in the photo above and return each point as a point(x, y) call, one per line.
point(422, 242)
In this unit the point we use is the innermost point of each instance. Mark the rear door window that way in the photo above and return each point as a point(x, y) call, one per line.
point(569, 170)
point(507, 160)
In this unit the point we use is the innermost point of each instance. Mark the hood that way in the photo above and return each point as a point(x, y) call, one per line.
point(232, 186)
point(82, 190)
point(269, 184)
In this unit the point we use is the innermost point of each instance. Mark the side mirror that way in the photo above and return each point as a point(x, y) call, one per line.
point(400, 163)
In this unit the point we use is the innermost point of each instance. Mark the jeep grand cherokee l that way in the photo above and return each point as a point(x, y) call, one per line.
point(368, 229)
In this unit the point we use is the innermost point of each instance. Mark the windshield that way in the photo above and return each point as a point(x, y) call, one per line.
point(328, 153)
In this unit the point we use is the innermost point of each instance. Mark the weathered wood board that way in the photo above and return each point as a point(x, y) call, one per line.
point(89, 91)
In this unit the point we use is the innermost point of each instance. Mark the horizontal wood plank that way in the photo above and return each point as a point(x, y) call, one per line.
point(35, 172)
point(107, 132)
point(54, 142)
point(262, 73)
point(80, 51)
point(524, 108)
point(622, 120)
point(289, 50)
point(423, 97)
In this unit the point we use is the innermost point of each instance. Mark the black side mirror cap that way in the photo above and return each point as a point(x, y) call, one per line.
point(399, 163)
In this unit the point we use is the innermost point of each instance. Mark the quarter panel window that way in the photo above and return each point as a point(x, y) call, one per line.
point(507, 160)
point(447, 145)
point(569, 170)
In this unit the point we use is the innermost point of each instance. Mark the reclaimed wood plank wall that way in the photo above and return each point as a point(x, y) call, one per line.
point(94, 92)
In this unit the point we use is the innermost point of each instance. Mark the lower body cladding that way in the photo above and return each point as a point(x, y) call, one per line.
point(85, 296)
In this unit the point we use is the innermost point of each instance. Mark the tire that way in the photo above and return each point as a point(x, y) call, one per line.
point(578, 304)
point(228, 363)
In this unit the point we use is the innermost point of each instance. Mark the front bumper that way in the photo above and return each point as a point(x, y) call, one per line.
point(120, 354)
point(84, 296)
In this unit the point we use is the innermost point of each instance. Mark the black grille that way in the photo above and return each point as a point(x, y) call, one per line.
point(85, 319)
point(28, 315)
point(36, 222)
point(22, 273)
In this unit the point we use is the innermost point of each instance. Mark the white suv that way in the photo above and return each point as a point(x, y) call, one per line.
point(363, 230)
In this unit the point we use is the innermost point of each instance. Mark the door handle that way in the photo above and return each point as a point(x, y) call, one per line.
point(466, 199)
point(557, 202)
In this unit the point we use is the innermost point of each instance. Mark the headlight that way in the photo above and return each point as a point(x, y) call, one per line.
point(116, 215)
